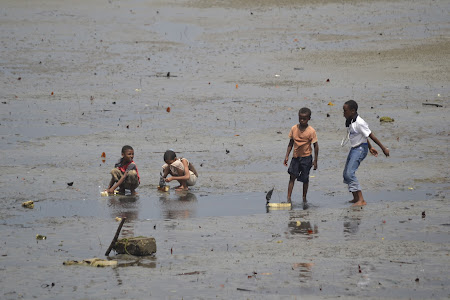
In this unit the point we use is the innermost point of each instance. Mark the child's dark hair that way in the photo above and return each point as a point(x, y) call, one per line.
point(169, 155)
point(352, 105)
point(126, 147)
point(305, 110)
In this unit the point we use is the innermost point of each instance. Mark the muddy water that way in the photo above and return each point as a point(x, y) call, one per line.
point(79, 79)
point(193, 204)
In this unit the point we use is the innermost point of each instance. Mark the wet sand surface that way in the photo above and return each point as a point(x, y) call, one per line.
point(82, 78)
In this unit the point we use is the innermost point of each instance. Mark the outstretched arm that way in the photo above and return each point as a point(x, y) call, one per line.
point(186, 175)
point(288, 151)
point(383, 148)
point(372, 150)
point(118, 183)
point(166, 171)
point(111, 183)
point(316, 154)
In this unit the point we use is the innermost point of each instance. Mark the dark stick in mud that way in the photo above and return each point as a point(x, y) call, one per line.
point(115, 237)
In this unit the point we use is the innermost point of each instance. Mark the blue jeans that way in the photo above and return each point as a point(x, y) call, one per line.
point(354, 158)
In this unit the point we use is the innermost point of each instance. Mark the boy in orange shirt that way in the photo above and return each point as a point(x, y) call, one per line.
point(301, 137)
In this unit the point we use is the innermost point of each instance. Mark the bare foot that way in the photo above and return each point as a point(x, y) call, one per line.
point(181, 189)
point(353, 201)
point(360, 203)
point(288, 200)
point(134, 193)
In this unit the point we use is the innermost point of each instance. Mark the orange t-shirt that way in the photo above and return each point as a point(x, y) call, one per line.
point(302, 140)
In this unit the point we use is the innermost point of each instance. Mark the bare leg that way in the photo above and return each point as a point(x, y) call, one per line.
point(290, 188)
point(183, 186)
point(133, 192)
point(305, 190)
point(360, 199)
point(355, 197)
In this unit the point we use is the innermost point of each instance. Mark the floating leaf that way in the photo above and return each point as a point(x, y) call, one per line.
point(103, 154)
point(168, 109)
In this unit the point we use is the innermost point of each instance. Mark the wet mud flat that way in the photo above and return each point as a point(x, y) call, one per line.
point(385, 250)
point(79, 79)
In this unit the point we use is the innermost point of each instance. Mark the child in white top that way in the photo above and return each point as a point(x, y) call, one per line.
point(358, 131)
point(180, 169)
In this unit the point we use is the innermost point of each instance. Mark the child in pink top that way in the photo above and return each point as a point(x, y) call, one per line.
point(301, 136)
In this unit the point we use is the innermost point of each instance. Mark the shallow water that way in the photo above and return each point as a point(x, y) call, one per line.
point(182, 205)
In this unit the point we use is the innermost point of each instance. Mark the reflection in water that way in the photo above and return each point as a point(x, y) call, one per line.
point(303, 227)
point(305, 270)
point(147, 262)
point(132, 261)
point(298, 225)
point(183, 206)
point(125, 206)
point(351, 226)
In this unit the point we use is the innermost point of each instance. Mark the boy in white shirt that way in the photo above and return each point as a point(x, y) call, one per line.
point(358, 131)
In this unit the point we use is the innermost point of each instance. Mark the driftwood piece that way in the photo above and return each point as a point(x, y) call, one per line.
point(115, 237)
point(138, 246)
point(93, 262)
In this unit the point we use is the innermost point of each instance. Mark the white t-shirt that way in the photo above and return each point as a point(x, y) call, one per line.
point(358, 132)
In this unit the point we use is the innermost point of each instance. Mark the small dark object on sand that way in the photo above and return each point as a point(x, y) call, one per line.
point(432, 104)
point(423, 214)
point(168, 74)
point(269, 195)
point(243, 290)
point(70, 183)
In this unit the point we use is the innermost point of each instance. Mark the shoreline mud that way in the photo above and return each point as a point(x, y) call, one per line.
point(82, 78)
